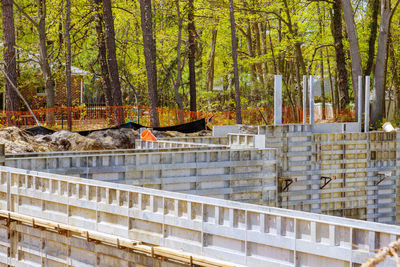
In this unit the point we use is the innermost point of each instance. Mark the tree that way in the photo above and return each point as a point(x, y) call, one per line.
point(235, 64)
point(378, 107)
point(102, 55)
point(336, 28)
point(355, 56)
point(68, 60)
point(111, 53)
point(150, 57)
point(43, 55)
point(10, 57)
point(192, 56)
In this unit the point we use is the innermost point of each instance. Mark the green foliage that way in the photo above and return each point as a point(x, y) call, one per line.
point(279, 26)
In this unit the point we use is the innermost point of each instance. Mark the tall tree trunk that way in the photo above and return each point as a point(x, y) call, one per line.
point(192, 56)
point(373, 28)
point(10, 57)
point(150, 57)
point(259, 53)
point(44, 60)
point(378, 107)
point(101, 46)
point(211, 60)
point(235, 64)
point(111, 53)
point(355, 56)
point(322, 86)
point(342, 80)
point(254, 84)
point(68, 60)
point(333, 96)
point(177, 84)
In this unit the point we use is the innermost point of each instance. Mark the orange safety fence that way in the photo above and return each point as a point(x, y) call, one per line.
point(97, 117)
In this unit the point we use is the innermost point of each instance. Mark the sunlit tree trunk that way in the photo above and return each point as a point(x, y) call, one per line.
point(192, 56)
point(150, 57)
point(235, 64)
point(101, 46)
point(9, 54)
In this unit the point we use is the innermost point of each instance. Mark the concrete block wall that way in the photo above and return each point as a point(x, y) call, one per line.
point(247, 175)
point(24, 245)
point(357, 160)
point(246, 141)
point(221, 140)
point(242, 233)
point(160, 144)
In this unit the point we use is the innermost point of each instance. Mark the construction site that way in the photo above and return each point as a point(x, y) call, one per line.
point(304, 194)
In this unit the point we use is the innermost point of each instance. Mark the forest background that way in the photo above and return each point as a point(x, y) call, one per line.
point(181, 53)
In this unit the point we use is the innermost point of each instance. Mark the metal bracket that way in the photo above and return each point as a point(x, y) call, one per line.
point(88, 239)
point(287, 181)
point(382, 176)
point(327, 180)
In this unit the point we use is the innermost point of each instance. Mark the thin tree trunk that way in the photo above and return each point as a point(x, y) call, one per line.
point(150, 57)
point(322, 86)
point(177, 84)
point(101, 46)
point(44, 60)
point(9, 54)
point(235, 64)
point(333, 97)
point(112, 56)
point(355, 56)
point(259, 54)
point(272, 49)
point(342, 80)
point(211, 60)
point(373, 28)
point(253, 70)
point(68, 61)
point(192, 56)
point(378, 107)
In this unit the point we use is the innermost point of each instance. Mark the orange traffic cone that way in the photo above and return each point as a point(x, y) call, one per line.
point(148, 136)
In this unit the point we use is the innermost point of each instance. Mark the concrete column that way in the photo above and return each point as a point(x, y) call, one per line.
point(278, 100)
point(311, 86)
point(359, 109)
point(305, 88)
point(366, 118)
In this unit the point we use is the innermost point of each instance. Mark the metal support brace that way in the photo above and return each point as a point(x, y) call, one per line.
point(382, 176)
point(287, 181)
point(327, 180)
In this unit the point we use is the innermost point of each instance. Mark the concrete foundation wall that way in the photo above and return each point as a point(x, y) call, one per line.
point(23, 245)
point(242, 233)
point(247, 175)
point(364, 165)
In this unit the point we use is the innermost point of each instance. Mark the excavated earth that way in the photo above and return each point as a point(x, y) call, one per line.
point(18, 141)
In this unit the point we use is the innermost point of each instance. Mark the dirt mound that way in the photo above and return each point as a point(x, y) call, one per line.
point(120, 138)
point(18, 141)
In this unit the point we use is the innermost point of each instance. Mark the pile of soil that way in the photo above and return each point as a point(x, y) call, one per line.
point(18, 141)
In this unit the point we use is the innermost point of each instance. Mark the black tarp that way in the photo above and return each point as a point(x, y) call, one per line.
point(190, 127)
point(39, 130)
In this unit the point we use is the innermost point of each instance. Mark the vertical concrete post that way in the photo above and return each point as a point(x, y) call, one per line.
point(359, 109)
point(366, 118)
point(311, 86)
point(278, 100)
point(305, 88)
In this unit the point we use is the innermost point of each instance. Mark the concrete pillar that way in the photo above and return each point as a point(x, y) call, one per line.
point(311, 86)
point(278, 100)
point(305, 88)
point(359, 109)
point(366, 118)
